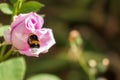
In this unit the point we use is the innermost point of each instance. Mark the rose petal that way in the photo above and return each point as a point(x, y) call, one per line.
point(29, 25)
point(46, 39)
point(18, 19)
point(7, 36)
point(40, 22)
point(19, 37)
point(32, 16)
point(28, 53)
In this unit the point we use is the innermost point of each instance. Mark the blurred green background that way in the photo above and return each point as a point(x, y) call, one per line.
point(98, 24)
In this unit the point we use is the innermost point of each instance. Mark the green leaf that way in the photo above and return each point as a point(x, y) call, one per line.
point(13, 69)
point(31, 6)
point(5, 8)
point(3, 28)
point(44, 77)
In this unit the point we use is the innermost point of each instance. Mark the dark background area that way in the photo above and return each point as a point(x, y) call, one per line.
point(98, 22)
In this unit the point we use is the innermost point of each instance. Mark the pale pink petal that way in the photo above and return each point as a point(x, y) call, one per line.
point(7, 36)
point(36, 20)
point(28, 53)
point(19, 37)
point(46, 39)
point(18, 19)
point(40, 22)
point(29, 25)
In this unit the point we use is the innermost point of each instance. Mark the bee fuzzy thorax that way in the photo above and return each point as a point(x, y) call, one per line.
point(34, 42)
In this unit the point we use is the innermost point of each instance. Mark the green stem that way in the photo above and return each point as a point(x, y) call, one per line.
point(17, 7)
point(6, 55)
point(2, 51)
point(3, 46)
point(91, 76)
point(86, 68)
point(78, 52)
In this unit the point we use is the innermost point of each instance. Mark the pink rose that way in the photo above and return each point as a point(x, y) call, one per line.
point(27, 35)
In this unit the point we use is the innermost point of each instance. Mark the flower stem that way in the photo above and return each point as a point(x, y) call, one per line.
point(17, 7)
point(91, 76)
point(2, 51)
point(3, 47)
point(6, 55)
point(76, 48)
point(82, 61)
point(87, 70)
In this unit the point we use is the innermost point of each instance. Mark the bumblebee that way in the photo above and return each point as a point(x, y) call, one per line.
point(33, 41)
